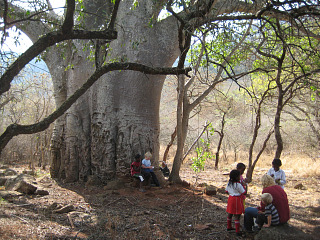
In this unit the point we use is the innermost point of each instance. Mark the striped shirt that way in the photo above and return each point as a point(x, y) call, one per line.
point(271, 210)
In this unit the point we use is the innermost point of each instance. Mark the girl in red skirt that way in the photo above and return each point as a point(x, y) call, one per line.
point(235, 202)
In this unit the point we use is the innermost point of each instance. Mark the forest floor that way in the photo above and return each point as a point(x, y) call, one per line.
point(171, 212)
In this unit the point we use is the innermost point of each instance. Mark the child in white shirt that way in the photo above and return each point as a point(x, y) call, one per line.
point(278, 174)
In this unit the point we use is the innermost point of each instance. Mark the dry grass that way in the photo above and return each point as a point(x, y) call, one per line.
point(297, 164)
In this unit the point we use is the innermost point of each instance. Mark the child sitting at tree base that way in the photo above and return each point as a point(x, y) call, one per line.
point(136, 170)
point(147, 169)
point(164, 169)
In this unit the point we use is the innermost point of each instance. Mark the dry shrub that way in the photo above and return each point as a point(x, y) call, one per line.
point(302, 165)
point(298, 164)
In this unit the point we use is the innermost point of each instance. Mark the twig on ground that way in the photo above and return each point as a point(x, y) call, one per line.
point(20, 218)
point(129, 201)
point(113, 201)
point(70, 219)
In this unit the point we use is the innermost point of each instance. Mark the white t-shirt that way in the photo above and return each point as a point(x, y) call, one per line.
point(146, 163)
point(235, 189)
point(278, 175)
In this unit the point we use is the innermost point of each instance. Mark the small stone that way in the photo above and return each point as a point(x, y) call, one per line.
point(300, 186)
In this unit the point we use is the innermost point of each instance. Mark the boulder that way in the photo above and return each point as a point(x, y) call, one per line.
point(282, 232)
point(8, 172)
point(9, 194)
point(4, 179)
point(221, 190)
point(3, 166)
point(22, 183)
point(41, 192)
point(211, 190)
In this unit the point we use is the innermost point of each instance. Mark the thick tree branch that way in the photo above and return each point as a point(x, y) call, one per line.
point(42, 44)
point(19, 15)
point(16, 129)
point(68, 21)
point(101, 52)
point(114, 15)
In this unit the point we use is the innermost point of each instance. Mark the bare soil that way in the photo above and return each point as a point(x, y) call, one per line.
point(171, 212)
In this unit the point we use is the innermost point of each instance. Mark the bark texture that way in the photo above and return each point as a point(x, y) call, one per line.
point(119, 116)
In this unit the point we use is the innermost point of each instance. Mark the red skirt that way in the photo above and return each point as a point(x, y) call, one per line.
point(235, 205)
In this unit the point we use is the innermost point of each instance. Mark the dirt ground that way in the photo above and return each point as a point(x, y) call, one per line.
point(172, 212)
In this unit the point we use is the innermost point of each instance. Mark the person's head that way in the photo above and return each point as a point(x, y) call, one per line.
point(266, 198)
point(241, 167)
point(148, 155)
point(137, 158)
point(267, 181)
point(234, 176)
point(276, 164)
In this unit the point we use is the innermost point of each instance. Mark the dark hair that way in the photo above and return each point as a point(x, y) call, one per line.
point(234, 177)
point(138, 156)
point(277, 162)
point(240, 165)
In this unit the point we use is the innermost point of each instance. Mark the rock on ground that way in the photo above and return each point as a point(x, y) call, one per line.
point(283, 232)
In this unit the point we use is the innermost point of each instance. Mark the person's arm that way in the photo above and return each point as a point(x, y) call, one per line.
point(270, 172)
point(241, 189)
point(269, 221)
point(144, 166)
point(262, 206)
point(282, 178)
point(136, 168)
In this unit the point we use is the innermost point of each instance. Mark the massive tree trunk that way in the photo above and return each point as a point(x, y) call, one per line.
point(119, 116)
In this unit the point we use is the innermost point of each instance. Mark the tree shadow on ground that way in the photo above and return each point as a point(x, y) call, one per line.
point(173, 212)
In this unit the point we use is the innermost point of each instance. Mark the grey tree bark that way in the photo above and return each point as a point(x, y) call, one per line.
point(119, 116)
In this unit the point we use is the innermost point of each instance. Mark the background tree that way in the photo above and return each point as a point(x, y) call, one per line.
point(291, 64)
point(31, 98)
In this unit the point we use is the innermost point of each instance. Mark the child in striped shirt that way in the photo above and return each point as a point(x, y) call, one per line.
point(270, 217)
